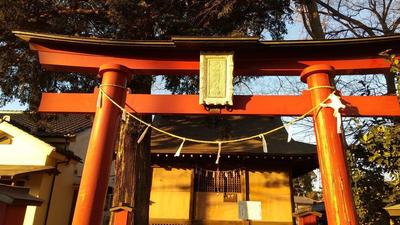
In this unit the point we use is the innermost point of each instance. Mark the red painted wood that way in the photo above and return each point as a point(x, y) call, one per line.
point(12, 214)
point(94, 182)
point(70, 61)
point(336, 189)
point(90, 63)
point(121, 217)
point(243, 105)
point(309, 219)
point(3, 212)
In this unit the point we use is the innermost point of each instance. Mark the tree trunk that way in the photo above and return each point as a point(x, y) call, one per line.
point(313, 21)
point(143, 173)
point(391, 83)
point(133, 166)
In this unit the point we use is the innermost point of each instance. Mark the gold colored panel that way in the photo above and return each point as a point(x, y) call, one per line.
point(216, 78)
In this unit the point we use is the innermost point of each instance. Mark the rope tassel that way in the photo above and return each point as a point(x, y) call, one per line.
point(219, 153)
point(264, 143)
point(178, 152)
point(143, 134)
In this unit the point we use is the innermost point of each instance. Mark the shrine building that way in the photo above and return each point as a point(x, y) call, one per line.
point(192, 189)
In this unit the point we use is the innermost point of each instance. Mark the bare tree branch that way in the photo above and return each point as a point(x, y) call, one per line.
point(304, 18)
point(336, 13)
point(349, 26)
point(395, 25)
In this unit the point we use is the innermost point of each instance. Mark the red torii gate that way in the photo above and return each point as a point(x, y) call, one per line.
point(315, 62)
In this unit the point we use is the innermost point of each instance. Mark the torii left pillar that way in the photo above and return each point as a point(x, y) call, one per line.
point(94, 182)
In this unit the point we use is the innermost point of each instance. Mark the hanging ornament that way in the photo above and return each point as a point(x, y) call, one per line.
point(336, 105)
point(143, 134)
point(178, 152)
point(289, 132)
point(219, 153)
point(264, 143)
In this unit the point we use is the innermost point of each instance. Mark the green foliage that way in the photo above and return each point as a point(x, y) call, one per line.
point(393, 59)
point(370, 189)
point(22, 78)
point(382, 145)
point(375, 172)
point(303, 186)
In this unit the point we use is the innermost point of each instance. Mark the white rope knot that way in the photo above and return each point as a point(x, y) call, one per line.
point(336, 104)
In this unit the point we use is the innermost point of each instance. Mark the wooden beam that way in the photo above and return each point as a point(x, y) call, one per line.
point(244, 64)
point(286, 105)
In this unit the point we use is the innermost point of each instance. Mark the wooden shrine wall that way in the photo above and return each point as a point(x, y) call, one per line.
point(173, 199)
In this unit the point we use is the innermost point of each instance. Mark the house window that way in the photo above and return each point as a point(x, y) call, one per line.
point(218, 181)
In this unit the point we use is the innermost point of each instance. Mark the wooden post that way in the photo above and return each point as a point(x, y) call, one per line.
point(93, 187)
point(336, 187)
point(121, 215)
point(308, 219)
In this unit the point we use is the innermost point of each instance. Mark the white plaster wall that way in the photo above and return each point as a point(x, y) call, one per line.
point(61, 202)
point(25, 149)
point(79, 147)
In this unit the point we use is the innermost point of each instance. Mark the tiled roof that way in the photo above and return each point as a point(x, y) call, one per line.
point(48, 124)
point(225, 127)
point(17, 196)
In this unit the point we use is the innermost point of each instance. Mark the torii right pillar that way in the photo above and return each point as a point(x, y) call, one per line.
point(336, 189)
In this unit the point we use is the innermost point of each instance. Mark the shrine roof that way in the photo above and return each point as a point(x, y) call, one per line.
point(298, 156)
point(225, 128)
point(13, 195)
point(370, 44)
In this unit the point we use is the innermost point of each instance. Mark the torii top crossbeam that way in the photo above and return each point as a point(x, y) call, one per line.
point(314, 61)
point(180, 56)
